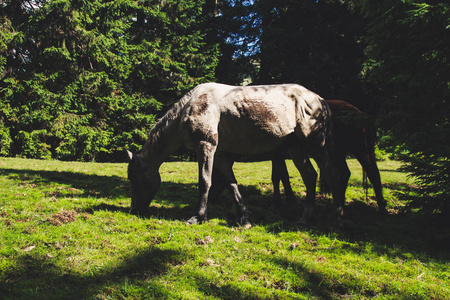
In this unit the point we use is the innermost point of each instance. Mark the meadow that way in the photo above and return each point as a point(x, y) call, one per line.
point(66, 233)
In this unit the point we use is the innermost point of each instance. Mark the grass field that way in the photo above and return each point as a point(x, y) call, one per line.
point(66, 233)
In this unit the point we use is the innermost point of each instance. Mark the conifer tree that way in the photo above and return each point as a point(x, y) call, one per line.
point(410, 62)
point(83, 79)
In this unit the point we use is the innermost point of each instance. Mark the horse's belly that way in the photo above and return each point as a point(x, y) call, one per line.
point(247, 137)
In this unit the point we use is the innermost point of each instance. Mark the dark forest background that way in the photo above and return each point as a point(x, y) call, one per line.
point(81, 80)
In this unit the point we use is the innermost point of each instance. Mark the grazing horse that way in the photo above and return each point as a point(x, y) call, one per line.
point(217, 120)
point(349, 136)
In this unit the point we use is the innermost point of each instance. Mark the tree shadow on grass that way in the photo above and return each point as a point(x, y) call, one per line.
point(404, 230)
point(41, 279)
point(395, 234)
point(241, 290)
point(415, 230)
point(313, 284)
point(89, 184)
point(138, 276)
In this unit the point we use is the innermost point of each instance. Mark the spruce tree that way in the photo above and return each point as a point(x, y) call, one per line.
point(409, 62)
point(83, 79)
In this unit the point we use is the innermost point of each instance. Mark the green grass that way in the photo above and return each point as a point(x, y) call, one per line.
point(66, 234)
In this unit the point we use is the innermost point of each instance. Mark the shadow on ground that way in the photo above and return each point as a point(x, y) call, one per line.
point(89, 185)
point(424, 230)
point(67, 284)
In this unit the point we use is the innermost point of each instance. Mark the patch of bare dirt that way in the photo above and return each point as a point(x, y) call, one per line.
point(63, 217)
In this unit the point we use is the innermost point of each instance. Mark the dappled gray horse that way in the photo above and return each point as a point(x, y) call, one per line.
point(216, 120)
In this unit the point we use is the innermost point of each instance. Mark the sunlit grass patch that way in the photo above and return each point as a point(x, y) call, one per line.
point(67, 234)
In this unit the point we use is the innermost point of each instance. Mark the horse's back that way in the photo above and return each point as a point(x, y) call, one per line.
point(291, 104)
point(252, 118)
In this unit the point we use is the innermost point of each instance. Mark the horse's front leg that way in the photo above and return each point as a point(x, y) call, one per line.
point(205, 156)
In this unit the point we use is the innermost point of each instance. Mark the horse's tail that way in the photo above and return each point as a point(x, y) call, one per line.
point(369, 136)
point(324, 187)
point(365, 184)
point(328, 127)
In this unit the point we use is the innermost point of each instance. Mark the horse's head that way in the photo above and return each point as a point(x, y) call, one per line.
point(144, 183)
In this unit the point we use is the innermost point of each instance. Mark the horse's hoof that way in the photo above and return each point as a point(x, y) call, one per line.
point(192, 221)
point(247, 225)
point(307, 218)
point(303, 221)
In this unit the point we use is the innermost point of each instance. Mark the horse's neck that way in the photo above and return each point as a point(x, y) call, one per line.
point(162, 143)
point(164, 139)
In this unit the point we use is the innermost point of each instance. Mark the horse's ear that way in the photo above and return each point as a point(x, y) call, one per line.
point(129, 154)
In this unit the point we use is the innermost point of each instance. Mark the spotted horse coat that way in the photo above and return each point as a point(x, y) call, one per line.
point(218, 120)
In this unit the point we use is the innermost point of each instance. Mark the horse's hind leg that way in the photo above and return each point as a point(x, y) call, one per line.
point(276, 178)
point(224, 165)
point(330, 170)
point(219, 184)
point(280, 172)
point(344, 172)
point(368, 162)
point(286, 183)
point(309, 176)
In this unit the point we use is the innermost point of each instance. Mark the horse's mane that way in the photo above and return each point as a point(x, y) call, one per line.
point(171, 115)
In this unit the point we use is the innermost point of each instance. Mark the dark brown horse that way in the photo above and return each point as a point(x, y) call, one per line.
point(217, 120)
point(350, 136)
